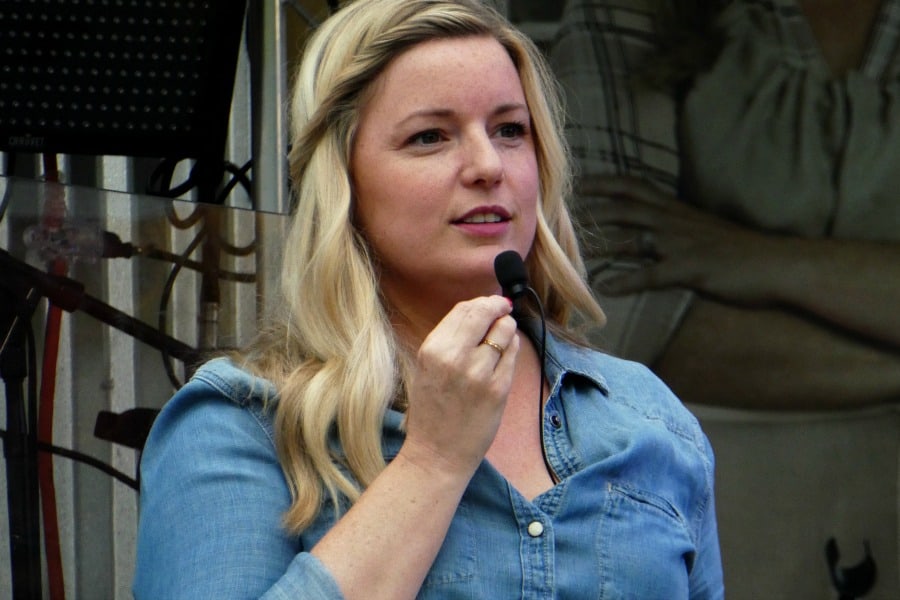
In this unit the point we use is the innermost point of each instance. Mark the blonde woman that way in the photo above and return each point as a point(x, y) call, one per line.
point(397, 434)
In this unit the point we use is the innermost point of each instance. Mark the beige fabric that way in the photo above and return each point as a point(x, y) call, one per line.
point(788, 147)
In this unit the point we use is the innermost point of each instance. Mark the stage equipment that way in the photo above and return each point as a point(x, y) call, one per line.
point(96, 233)
point(140, 78)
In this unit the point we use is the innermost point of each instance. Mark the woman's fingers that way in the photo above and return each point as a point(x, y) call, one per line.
point(456, 343)
point(499, 336)
point(458, 391)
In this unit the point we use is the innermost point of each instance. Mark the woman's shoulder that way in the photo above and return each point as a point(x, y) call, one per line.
point(220, 396)
point(615, 375)
point(232, 382)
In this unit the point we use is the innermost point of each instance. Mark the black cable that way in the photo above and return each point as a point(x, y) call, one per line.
point(160, 181)
point(185, 223)
point(164, 303)
point(543, 353)
point(5, 200)
point(83, 458)
point(182, 260)
point(32, 374)
point(31, 399)
point(196, 215)
point(512, 275)
point(160, 177)
point(24, 315)
point(239, 175)
point(114, 247)
point(238, 250)
point(157, 254)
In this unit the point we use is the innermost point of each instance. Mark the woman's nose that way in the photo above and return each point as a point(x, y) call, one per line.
point(483, 164)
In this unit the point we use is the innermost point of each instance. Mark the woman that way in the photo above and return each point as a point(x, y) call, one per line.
point(384, 438)
point(785, 121)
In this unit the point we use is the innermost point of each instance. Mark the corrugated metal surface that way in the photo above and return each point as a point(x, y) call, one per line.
point(103, 369)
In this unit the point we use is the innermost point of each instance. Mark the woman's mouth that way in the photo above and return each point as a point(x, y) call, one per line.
point(483, 218)
point(485, 221)
point(484, 214)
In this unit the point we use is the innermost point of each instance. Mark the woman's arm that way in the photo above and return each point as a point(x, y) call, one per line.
point(384, 546)
point(776, 359)
point(790, 323)
point(706, 571)
point(853, 286)
point(212, 499)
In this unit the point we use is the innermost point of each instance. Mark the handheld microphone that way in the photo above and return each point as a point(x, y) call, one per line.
point(510, 271)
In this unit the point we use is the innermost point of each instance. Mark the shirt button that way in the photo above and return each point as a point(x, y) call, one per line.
point(535, 528)
point(555, 421)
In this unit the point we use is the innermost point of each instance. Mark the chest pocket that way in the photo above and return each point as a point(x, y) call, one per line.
point(645, 542)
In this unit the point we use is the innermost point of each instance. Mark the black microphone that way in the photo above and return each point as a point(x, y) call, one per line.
point(510, 271)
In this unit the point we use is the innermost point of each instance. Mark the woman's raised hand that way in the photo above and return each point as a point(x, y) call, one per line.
point(460, 385)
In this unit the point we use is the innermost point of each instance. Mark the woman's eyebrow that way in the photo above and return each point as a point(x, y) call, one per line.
point(446, 112)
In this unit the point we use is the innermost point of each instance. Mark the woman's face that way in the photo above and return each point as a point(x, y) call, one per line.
point(444, 169)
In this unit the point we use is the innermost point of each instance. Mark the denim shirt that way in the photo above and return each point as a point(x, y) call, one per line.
point(632, 517)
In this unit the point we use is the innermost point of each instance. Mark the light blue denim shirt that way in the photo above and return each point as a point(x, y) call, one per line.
point(633, 516)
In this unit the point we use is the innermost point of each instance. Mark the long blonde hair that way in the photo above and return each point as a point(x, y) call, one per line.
point(332, 353)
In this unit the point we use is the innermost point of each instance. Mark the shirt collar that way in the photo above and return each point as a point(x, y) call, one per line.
point(565, 358)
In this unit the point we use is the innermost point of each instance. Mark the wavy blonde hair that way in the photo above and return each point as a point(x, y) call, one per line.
point(332, 353)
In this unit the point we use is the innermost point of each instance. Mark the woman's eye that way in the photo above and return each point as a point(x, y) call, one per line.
point(426, 138)
point(511, 130)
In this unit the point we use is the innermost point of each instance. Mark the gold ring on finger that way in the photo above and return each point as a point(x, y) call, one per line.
point(494, 345)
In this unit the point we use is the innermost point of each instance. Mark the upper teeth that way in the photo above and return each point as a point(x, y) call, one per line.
point(483, 218)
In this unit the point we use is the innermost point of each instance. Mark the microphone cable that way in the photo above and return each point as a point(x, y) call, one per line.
point(512, 275)
point(543, 357)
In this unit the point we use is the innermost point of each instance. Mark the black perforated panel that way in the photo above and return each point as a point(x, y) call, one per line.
point(129, 77)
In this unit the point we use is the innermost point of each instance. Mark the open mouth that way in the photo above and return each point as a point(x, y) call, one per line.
point(483, 218)
point(484, 215)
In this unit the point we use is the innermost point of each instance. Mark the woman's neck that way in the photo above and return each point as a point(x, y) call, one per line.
point(842, 28)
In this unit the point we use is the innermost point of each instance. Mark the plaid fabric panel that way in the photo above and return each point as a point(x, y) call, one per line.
point(618, 127)
point(615, 125)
